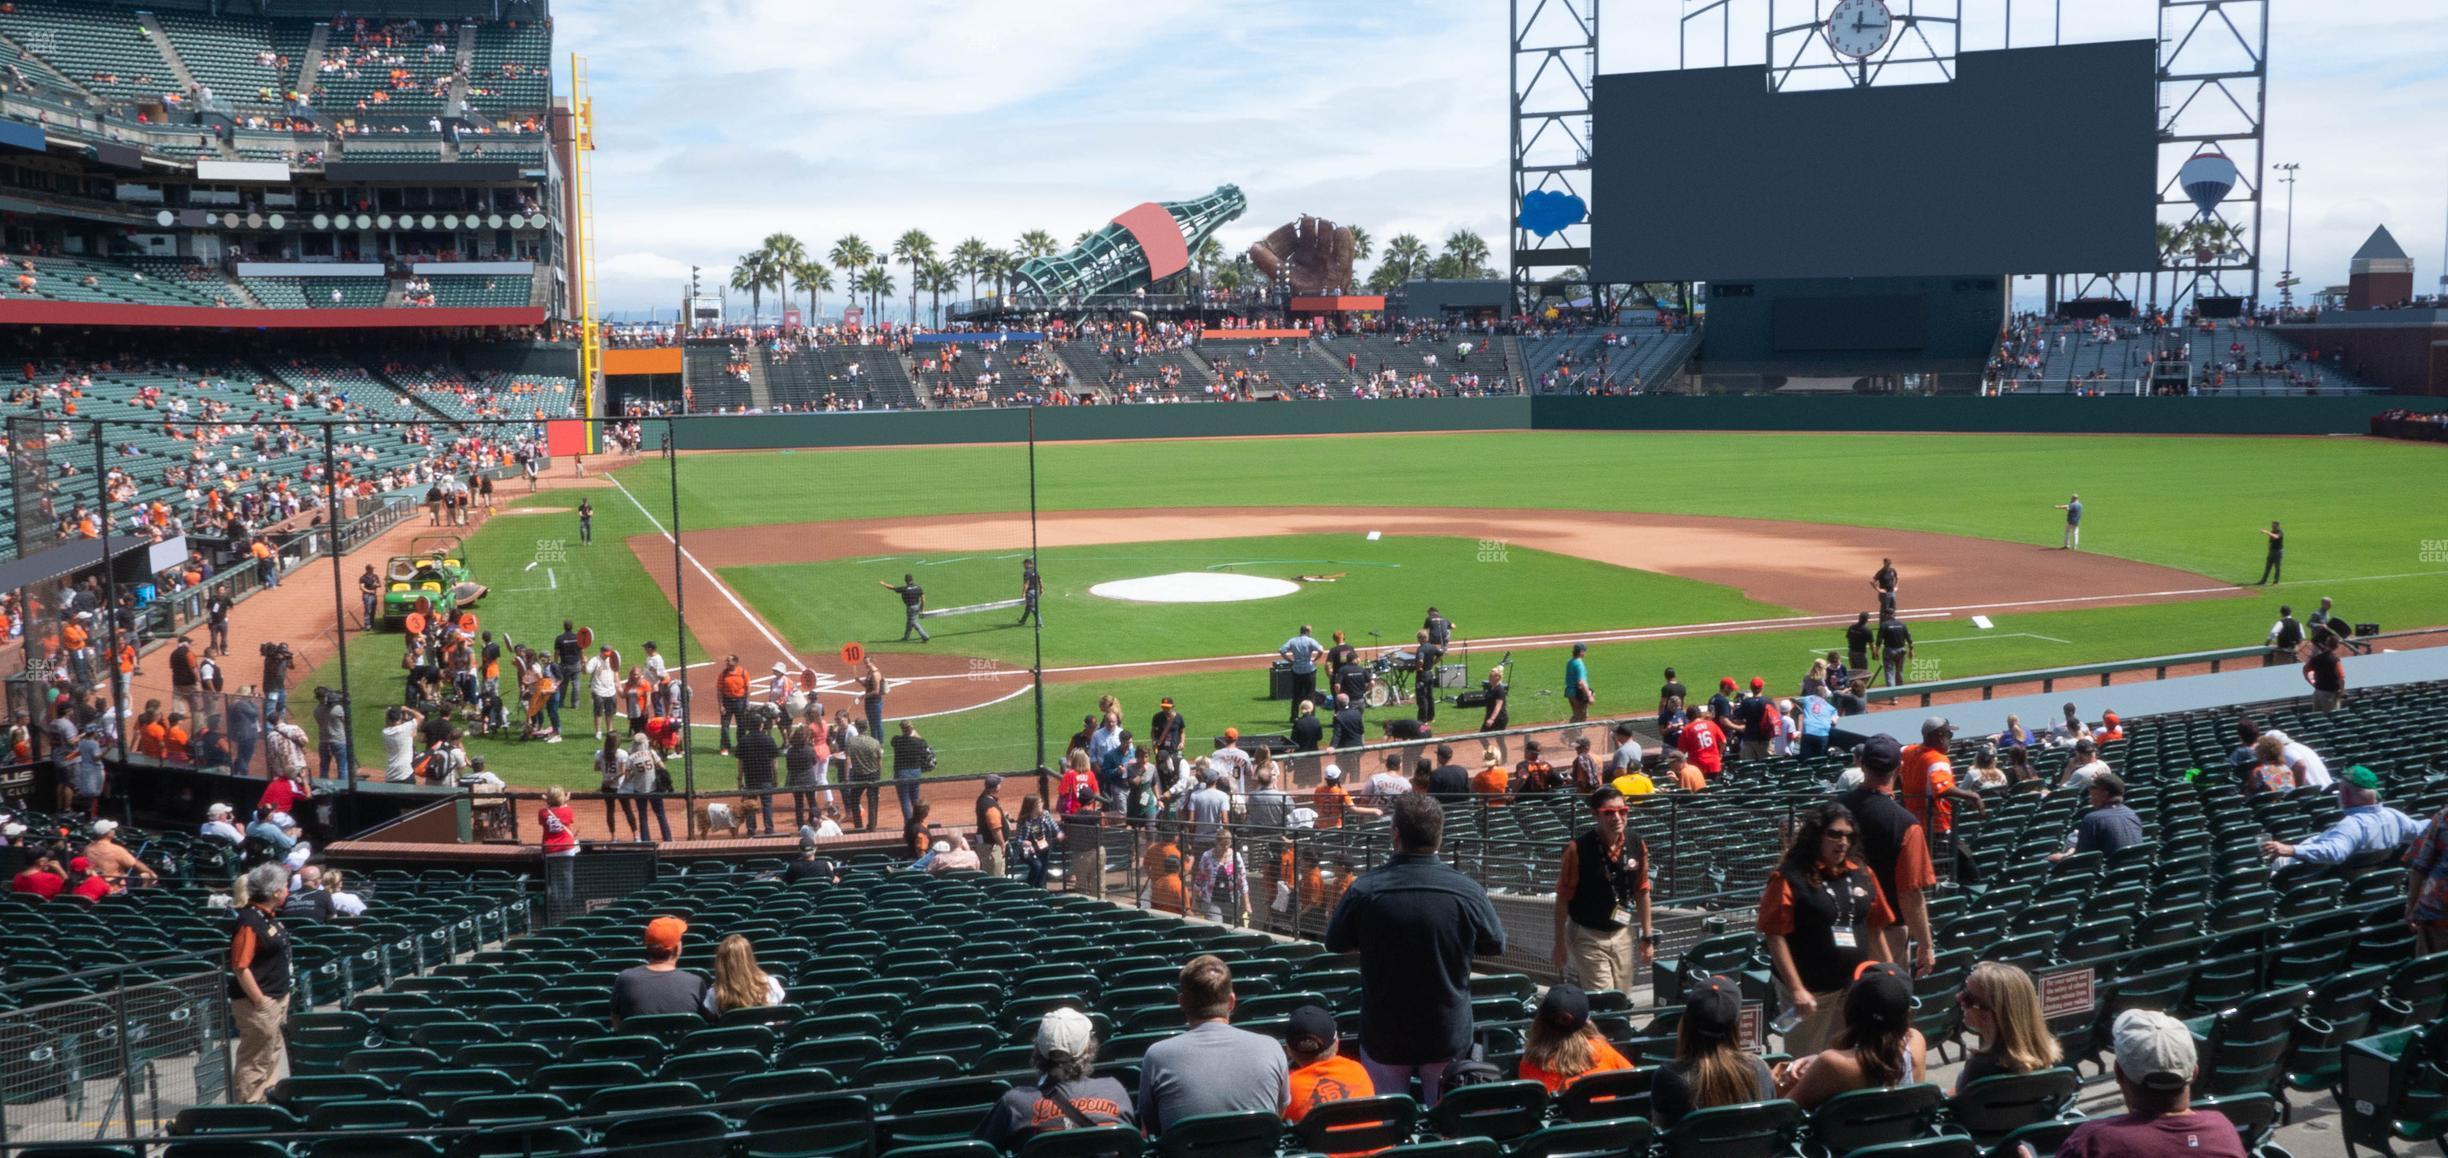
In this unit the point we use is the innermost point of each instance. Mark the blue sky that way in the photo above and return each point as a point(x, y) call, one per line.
point(722, 121)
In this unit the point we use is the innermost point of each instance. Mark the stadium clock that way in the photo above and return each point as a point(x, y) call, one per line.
point(1858, 28)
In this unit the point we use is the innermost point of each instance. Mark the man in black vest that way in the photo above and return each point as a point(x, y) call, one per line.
point(1896, 849)
point(1031, 589)
point(913, 602)
point(1606, 870)
point(990, 828)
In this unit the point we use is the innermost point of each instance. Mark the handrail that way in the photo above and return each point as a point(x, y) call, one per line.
point(2047, 677)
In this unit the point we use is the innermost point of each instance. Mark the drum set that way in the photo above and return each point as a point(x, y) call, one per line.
point(1390, 677)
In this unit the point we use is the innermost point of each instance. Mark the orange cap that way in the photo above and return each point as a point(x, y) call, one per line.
point(1232, 733)
point(664, 933)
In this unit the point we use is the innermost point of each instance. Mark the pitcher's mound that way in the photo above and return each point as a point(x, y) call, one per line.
point(1195, 587)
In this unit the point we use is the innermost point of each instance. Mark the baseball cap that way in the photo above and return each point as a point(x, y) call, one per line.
point(2114, 783)
point(665, 932)
point(1713, 1009)
point(1310, 1029)
point(79, 864)
point(779, 668)
point(1757, 683)
point(105, 827)
point(218, 810)
point(1879, 997)
point(994, 780)
point(1333, 772)
point(2359, 776)
point(1565, 1008)
point(1880, 753)
point(1937, 724)
point(1232, 733)
point(1064, 1034)
point(12, 828)
point(1165, 702)
point(2086, 744)
point(1726, 682)
point(2153, 1050)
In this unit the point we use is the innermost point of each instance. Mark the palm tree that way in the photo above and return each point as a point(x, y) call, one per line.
point(812, 277)
point(937, 277)
point(1362, 243)
point(1407, 256)
point(755, 272)
point(876, 281)
point(969, 260)
point(783, 248)
point(913, 249)
point(1036, 243)
point(1468, 251)
point(850, 255)
point(1210, 254)
point(998, 268)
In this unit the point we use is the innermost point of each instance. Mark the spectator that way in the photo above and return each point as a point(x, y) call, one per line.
point(1878, 1049)
point(1416, 923)
point(343, 902)
point(2276, 747)
point(911, 760)
point(2002, 1008)
point(1211, 1067)
point(259, 982)
point(1711, 1067)
point(918, 831)
point(2109, 826)
point(1267, 806)
point(993, 832)
point(2082, 765)
point(1066, 1095)
point(1605, 871)
point(1448, 782)
point(810, 866)
point(1034, 836)
point(42, 878)
point(217, 823)
point(1208, 805)
point(1895, 846)
point(2155, 1067)
point(1562, 1045)
point(112, 861)
point(2427, 890)
point(660, 985)
point(738, 983)
point(559, 824)
point(1824, 915)
point(756, 753)
point(1320, 1073)
point(1221, 883)
point(2368, 827)
point(1494, 781)
point(307, 898)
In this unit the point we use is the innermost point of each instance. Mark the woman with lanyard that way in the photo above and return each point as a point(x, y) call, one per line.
point(1606, 870)
point(1823, 915)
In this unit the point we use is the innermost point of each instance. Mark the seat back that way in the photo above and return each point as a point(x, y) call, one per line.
point(816, 1126)
point(1358, 1124)
point(1086, 1142)
point(1605, 1137)
point(1607, 1094)
point(695, 1134)
point(1858, 1118)
point(1221, 1135)
point(1501, 1111)
point(1994, 1106)
point(1745, 1130)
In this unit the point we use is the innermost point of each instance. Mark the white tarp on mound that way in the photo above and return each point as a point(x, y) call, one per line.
point(1195, 587)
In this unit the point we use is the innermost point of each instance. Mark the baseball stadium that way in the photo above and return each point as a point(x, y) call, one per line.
point(1759, 678)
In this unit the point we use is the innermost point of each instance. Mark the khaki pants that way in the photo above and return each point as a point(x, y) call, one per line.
point(262, 1053)
point(1602, 960)
point(2328, 701)
point(1816, 1031)
point(990, 859)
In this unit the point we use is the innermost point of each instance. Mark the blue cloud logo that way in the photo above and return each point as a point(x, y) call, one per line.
point(1545, 211)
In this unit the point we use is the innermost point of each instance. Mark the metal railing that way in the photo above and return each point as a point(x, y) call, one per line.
point(2258, 655)
point(152, 1039)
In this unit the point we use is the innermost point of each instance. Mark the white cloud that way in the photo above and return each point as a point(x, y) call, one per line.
point(725, 120)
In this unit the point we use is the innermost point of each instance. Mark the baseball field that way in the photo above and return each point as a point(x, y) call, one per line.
point(1719, 554)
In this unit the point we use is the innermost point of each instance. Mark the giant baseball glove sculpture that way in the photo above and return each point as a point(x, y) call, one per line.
point(1313, 252)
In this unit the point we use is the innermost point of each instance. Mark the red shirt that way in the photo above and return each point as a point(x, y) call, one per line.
point(1704, 742)
point(280, 795)
point(1922, 781)
point(560, 828)
point(40, 883)
point(92, 888)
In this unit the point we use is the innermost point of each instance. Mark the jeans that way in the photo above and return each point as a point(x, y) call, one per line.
point(2271, 569)
point(335, 752)
point(653, 804)
point(860, 803)
point(369, 610)
point(627, 808)
point(242, 751)
point(733, 707)
point(586, 527)
point(276, 700)
point(1812, 746)
point(909, 623)
point(803, 809)
point(875, 715)
point(906, 785)
point(568, 692)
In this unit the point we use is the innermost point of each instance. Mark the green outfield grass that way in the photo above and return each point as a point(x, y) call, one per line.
point(2364, 521)
point(1386, 586)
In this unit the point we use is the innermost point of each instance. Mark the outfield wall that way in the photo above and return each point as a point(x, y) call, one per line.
point(2026, 415)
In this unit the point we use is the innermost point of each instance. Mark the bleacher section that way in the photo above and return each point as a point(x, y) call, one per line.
point(101, 48)
point(510, 68)
point(228, 56)
point(1094, 369)
point(2075, 356)
point(809, 374)
point(390, 69)
point(712, 388)
point(487, 290)
point(71, 279)
point(458, 395)
point(299, 293)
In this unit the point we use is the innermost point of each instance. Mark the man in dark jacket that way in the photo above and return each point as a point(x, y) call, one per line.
point(757, 752)
point(1416, 923)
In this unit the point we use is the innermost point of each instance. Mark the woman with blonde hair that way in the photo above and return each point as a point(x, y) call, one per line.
point(2001, 1005)
point(738, 983)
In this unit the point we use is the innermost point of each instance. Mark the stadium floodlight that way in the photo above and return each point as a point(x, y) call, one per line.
point(254, 220)
point(364, 221)
point(450, 221)
point(165, 218)
point(428, 221)
point(276, 221)
point(494, 221)
point(382, 221)
point(322, 220)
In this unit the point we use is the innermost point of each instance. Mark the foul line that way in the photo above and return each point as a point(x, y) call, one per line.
point(781, 651)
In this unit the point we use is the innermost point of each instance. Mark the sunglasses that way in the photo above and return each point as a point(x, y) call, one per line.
point(1970, 1002)
point(1832, 834)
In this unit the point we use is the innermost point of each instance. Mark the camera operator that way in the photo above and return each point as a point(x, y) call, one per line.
point(399, 738)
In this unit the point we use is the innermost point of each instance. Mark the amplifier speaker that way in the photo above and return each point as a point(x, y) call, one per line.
point(1452, 675)
point(1279, 682)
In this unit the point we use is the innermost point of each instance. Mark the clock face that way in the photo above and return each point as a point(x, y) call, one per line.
point(1858, 28)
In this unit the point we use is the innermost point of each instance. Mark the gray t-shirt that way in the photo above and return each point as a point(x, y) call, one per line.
point(399, 751)
point(1267, 809)
point(639, 991)
point(1211, 1068)
point(1207, 809)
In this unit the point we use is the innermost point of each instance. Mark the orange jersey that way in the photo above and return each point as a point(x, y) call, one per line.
point(1334, 1079)
point(1603, 1057)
